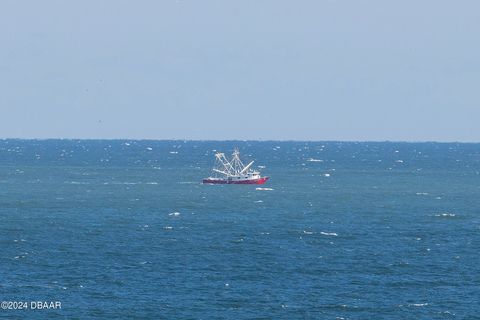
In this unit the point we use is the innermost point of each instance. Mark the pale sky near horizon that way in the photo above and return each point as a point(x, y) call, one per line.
point(280, 70)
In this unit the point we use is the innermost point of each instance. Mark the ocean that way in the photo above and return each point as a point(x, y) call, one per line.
point(124, 229)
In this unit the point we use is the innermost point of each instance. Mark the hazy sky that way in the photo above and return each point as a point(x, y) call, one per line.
point(300, 70)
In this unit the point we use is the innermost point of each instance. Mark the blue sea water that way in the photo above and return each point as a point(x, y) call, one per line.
point(124, 229)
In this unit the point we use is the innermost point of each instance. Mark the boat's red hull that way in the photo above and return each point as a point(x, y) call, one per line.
point(261, 180)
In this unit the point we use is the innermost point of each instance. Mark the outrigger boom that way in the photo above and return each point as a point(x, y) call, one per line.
point(234, 171)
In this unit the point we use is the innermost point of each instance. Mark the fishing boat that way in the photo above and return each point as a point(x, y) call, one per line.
point(233, 171)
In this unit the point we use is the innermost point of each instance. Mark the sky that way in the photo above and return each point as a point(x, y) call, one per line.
point(257, 70)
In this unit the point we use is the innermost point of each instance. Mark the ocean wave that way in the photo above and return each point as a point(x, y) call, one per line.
point(76, 182)
point(121, 183)
point(445, 214)
point(417, 304)
point(329, 234)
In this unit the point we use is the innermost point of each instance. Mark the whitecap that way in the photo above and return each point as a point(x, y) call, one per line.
point(422, 193)
point(175, 214)
point(149, 148)
point(76, 182)
point(258, 201)
point(329, 234)
point(445, 214)
point(152, 183)
point(326, 175)
point(314, 160)
point(307, 232)
point(264, 189)
point(173, 152)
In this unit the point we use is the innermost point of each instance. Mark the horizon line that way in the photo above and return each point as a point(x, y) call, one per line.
point(244, 140)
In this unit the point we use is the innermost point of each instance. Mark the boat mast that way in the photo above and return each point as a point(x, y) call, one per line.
point(222, 165)
point(232, 168)
point(237, 164)
point(246, 168)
